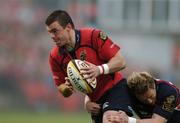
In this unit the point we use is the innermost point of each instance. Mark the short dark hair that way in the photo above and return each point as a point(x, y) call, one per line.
point(61, 16)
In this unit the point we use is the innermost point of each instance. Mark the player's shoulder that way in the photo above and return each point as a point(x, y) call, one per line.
point(90, 30)
point(54, 52)
point(94, 33)
point(165, 88)
point(88, 35)
point(165, 84)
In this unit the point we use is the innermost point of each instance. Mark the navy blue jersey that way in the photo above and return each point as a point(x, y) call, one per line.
point(167, 100)
point(117, 98)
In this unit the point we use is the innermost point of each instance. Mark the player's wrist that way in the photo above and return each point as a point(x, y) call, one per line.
point(103, 69)
point(131, 120)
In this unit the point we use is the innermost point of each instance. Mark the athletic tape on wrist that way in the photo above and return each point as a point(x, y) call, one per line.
point(131, 120)
point(106, 68)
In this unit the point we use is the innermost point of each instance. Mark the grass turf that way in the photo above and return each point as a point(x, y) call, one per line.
point(31, 117)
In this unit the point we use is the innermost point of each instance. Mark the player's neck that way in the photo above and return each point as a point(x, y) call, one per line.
point(71, 45)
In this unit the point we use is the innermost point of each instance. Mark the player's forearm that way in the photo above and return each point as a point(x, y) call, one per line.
point(134, 120)
point(143, 121)
point(116, 63)
point(149, 121)
point(155, 119)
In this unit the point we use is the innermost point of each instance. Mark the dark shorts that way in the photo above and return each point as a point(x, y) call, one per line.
point(117, 98)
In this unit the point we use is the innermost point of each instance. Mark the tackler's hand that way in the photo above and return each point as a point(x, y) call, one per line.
point(93, 107)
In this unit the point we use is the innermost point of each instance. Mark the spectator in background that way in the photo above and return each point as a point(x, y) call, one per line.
point(97, 48)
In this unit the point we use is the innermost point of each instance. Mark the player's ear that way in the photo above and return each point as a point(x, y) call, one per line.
point(68, 27)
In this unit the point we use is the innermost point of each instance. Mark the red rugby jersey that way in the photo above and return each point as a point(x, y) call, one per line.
point(93, 46)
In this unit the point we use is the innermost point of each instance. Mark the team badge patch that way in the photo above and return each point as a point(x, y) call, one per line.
point(103, 36)
point(83, 55)
point(169, 103)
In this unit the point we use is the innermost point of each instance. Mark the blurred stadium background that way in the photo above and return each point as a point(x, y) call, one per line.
point(147, 30)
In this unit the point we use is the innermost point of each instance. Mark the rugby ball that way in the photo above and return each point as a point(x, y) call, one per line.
point(76, 79)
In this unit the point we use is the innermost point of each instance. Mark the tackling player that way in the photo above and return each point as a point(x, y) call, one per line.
point(96, 47)
point(155, 101)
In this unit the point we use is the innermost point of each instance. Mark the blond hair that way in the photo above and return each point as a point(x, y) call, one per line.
point(140, 82)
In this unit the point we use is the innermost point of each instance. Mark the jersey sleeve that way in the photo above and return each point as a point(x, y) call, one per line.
point(167, 103)
point(104, 45)
point(58, 74)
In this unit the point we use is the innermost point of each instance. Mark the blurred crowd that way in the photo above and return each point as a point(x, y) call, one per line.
point(23, 62)
point(25, 77)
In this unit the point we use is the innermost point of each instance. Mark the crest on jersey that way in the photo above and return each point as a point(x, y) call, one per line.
point(83, 55)
point(103, 36)
point(169, 103)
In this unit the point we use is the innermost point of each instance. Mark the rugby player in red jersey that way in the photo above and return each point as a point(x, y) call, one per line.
point(93, 46)
point(153, 100)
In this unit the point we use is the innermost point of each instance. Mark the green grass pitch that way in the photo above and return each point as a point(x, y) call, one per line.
point(27, 117)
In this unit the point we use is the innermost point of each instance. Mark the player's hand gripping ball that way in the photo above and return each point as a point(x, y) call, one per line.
point(76, 79)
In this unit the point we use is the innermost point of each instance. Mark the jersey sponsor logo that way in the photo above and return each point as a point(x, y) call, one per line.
point(103, 36)
point(169, 103)
point(105, 105)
